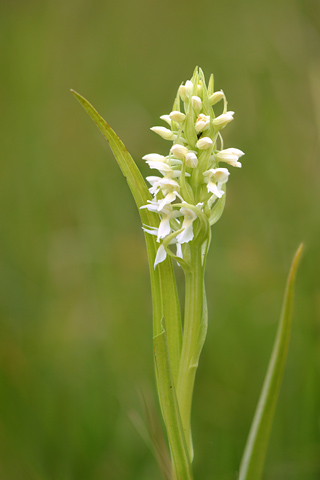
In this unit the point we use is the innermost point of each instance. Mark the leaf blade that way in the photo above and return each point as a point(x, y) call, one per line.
point(162, 278)
point(255, 451)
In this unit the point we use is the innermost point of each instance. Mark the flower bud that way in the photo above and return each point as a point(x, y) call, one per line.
point(191, 160)
point(177, 116)
point(196, 104)
point(204, 143)
point(183, 93)
point(179, 151)
point(166, 118)
point(223, 119)
point(189, 88)
point(164, 133)
point(216, 97)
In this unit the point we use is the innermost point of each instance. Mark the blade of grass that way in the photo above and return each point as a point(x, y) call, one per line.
point(166, 305)
point(255, 451)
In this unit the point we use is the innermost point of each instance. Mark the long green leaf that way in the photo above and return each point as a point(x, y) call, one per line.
point(257, 443)
point(165, 304)
point(170, 408)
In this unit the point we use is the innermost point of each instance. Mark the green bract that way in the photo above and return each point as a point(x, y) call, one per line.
point(177, 213)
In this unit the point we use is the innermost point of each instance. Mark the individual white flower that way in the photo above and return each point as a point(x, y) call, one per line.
point(183, 93)
point(179, 151)
point(169, 188)
point(164, 133)
point(191, 160)
point(196, 103)
point(166, 213)
point(177, 116)
point(166, 118)
point(202, 123)
point(216, 97)
point(215, 178)
point(230, 156)
point(204, 143)
point(223, 119)
point(189, 217)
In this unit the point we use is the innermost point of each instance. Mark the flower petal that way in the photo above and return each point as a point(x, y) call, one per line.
point(161, 255)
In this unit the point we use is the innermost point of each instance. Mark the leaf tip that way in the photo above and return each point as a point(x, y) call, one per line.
point(296, 258)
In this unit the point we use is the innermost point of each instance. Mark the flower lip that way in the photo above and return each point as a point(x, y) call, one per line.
point(189, 217)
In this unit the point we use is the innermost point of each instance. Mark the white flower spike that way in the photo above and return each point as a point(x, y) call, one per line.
point(191, 175)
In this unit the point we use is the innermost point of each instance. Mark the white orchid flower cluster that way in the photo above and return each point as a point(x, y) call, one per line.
point(190, 193)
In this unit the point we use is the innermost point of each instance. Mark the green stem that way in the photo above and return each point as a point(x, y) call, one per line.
point(190, 341)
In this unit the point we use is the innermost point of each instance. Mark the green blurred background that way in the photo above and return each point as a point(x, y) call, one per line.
point(75, 329)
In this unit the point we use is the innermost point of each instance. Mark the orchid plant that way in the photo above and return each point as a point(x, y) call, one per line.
point(177, 211)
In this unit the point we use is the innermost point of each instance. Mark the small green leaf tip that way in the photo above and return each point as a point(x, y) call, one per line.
point(256, 448)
